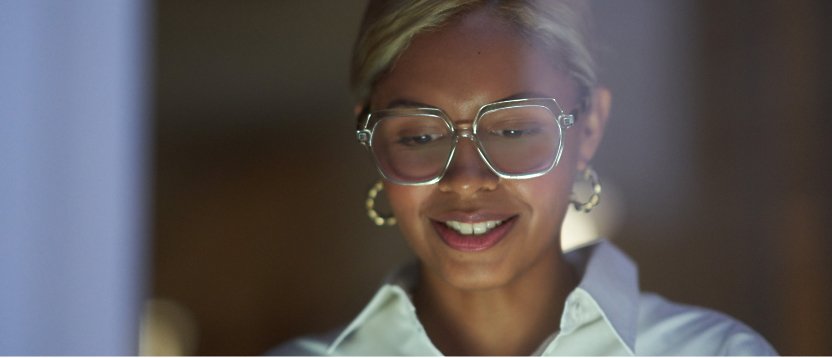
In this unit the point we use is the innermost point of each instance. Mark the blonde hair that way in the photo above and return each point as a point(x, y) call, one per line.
point(561, 28)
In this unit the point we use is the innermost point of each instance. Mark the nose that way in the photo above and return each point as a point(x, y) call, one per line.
point(468, 173)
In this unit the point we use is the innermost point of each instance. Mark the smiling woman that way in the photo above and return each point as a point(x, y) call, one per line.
point(479, 115)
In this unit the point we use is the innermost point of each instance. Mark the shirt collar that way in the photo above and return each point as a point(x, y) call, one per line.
point(609, 282)
point(390, 313)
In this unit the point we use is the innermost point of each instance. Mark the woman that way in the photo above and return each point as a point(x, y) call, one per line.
point(479, 115)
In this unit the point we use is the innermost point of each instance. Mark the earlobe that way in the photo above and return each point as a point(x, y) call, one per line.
point(357, 109)
point(594, 124)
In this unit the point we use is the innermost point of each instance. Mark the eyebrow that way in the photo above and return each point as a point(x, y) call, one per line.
point(521, 95)
point(407, 103)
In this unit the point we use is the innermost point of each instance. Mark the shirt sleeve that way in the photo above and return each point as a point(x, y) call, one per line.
point(743, 341)
point(671, 329)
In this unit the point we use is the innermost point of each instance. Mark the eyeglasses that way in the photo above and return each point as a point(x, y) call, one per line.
point(517, 139)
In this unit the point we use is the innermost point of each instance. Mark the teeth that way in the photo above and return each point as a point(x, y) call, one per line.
point(466, 229)
point(479, 228)
point(473, 228)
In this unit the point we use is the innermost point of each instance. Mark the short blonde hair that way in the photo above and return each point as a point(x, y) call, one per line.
point(561, 28)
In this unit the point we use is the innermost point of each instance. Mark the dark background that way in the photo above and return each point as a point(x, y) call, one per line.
point(717, 148)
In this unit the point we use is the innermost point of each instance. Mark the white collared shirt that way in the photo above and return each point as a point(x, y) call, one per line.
point(605, 315)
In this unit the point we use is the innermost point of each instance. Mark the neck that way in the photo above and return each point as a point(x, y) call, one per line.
point(513, 319)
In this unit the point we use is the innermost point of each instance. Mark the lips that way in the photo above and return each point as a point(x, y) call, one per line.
point(472, 233)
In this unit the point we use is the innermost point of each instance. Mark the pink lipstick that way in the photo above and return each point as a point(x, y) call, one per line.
point(473, 243)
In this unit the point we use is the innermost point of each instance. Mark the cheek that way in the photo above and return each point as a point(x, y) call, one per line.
point(551, 194)
point(403, 199)
point(547, 199)
point(406, 203)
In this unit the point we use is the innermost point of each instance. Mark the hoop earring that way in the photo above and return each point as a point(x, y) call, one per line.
point(589, 175)
point(374, 216)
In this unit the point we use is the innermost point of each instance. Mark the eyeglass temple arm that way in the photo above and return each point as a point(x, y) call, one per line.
point(362, 133)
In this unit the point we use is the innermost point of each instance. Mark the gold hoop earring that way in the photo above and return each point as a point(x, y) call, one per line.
point(370, 203)
point(589, 175)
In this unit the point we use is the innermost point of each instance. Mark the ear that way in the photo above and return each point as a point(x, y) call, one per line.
point(593, 126)
point(357, 109)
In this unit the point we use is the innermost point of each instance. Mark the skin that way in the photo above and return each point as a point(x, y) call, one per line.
point(508, 299)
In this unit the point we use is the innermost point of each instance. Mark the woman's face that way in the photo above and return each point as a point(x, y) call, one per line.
point(475, 60)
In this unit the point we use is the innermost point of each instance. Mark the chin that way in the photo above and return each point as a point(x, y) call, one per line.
point(481, 273)
point(470, 276)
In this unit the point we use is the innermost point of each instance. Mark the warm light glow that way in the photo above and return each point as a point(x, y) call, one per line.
point(167, 329)
point(603, 221)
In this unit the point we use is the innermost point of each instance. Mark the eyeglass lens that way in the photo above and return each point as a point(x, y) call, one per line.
point(519, 140)
point(515, 141)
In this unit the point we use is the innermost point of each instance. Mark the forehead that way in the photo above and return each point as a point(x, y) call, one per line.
point(476, 59)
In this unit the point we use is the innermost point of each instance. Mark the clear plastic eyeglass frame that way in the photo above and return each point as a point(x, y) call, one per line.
point(364, 134)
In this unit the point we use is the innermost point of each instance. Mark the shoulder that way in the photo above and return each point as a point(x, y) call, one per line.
point(667, 328)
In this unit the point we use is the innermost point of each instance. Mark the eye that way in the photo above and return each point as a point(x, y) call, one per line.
point(518, 132)
point(416, 140)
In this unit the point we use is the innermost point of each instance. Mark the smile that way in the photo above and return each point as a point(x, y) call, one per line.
point(473, 236)
point(477, 228)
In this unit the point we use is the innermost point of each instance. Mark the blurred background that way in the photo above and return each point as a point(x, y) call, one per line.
point(249, 229)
